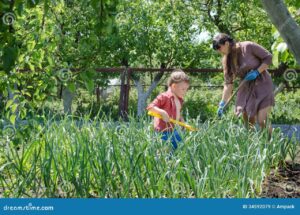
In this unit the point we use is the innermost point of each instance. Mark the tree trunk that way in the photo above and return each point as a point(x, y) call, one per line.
point(67, 97)
point(11, 95)
point(142, 95)
point(285, 24)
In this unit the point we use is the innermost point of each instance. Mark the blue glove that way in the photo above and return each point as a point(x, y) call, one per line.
point(221, 108)
point(252, 75)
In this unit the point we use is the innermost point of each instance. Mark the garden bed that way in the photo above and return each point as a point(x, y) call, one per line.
point(284, 181)
point(128, 160)
point(289, 130)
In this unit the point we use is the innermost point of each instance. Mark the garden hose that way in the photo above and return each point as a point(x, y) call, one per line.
point(188, 127)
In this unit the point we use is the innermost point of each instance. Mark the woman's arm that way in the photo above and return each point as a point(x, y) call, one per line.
point(264, 55)
point(228, 81)
point(227, 91)
point(263, 67)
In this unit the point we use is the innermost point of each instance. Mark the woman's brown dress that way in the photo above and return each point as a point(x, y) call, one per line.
point(257, 94)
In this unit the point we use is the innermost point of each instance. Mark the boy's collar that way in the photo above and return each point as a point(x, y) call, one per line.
point(170, 94)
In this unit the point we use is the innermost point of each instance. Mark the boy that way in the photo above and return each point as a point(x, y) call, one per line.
point(169, 104)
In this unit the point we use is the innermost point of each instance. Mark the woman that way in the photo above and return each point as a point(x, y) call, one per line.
point(247, 61)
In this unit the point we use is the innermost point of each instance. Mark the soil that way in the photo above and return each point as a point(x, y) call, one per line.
point(283, 182)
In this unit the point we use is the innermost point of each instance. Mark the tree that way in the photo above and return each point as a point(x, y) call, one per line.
point(47, 38)
point(285, 24)
point(156, 34)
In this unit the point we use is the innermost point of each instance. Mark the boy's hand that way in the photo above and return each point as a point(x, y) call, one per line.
point(165, 116)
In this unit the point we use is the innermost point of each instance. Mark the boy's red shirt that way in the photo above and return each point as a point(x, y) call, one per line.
point(165, 101)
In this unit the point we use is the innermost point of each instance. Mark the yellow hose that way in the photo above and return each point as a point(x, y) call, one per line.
point(190, 128)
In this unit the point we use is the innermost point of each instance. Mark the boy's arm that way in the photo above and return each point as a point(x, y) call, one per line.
point(163, 113)
point(181, 118)
point(156, 105)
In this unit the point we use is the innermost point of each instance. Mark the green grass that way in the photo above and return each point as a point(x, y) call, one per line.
point(100, 158)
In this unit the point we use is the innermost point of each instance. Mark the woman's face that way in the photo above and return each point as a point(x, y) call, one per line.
point(224, 48)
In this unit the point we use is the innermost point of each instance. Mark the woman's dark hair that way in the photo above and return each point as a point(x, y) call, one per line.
point(231, 58)
point(220, 39)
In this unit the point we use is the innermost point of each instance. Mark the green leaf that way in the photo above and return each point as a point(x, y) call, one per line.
point(12, 118)
point(20, 7)
point(21, 58)
point(9, 57)
point(32, 3)
point(90, 85)
point(275, 58)
point(50, 61)
point(30, 45)
point(31, 67)
point(9, 103)
point(285, 56)
point(23, 113)
point(14, 108)
point(72, 87)
point(90, 74)
point(84, 76)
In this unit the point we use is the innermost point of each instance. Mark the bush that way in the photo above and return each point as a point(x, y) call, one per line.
point(201, 102)
point(286, 110)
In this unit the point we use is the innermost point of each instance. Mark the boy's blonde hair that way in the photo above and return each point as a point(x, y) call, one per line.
point(178, 76)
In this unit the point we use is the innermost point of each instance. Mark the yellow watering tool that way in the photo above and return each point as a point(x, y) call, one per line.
point(188, 127)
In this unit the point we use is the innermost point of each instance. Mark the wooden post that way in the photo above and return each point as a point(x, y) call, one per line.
point(121, 104)
point(124, 94)
point(127, 89)
point(98, 94)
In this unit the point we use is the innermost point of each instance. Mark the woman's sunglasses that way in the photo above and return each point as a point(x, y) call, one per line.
point(217, 44)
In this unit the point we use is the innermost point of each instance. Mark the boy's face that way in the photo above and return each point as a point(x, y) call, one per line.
point(180, 89)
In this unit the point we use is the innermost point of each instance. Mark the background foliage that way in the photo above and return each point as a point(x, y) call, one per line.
point(46, 38)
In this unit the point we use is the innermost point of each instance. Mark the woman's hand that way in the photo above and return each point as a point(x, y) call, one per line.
point(238, 111)
point(221, 108)
point(252, 75)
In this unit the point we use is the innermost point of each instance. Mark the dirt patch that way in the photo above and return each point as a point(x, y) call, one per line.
point(283, 182)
